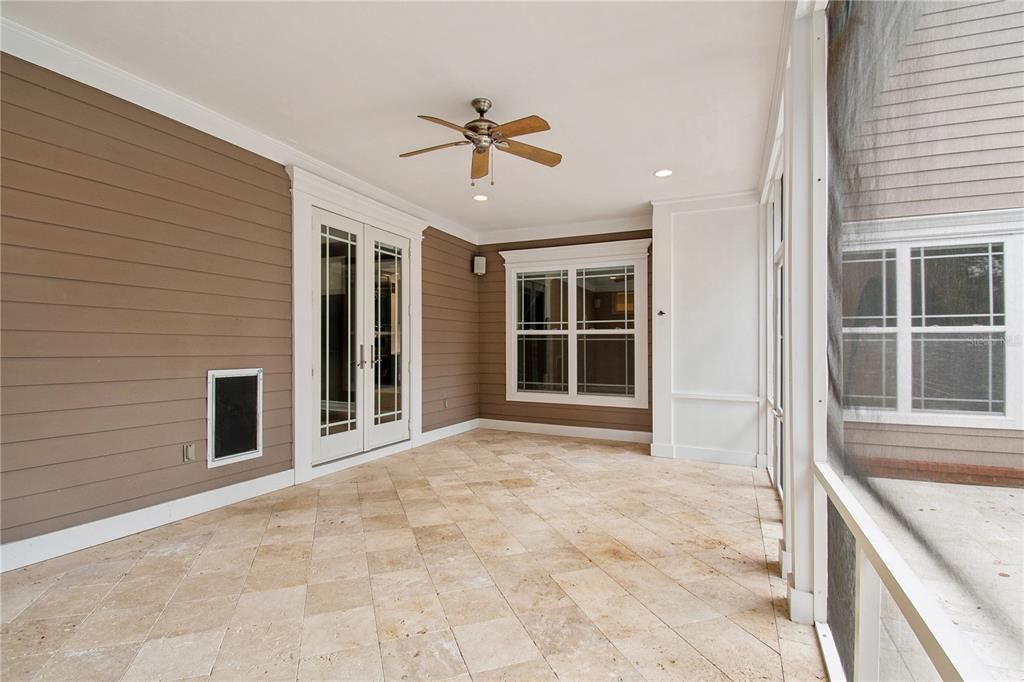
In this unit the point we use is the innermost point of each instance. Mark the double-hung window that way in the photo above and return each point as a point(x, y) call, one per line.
point(576, 319)
point(931, 331)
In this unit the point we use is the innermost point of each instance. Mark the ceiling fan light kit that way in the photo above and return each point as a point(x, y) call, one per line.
point(483, 134)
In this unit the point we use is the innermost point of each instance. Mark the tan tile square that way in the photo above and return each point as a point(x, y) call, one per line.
point(472, 606)
point(60, 602)
point(390, 560)
point(401, 538)
point(271, 576)
point(495, 644)
point(24, 637)
point(733, 650)
point(285, 552)
point(342, 567)
point(338, 595)
point(561, 630)
point(327, 633)
point(530, 671)
point(111, 625)
point(458, 573)
point(179, 618)
point(109, 663)
point(140, 591)
point(410, 616)
point(268, 644)
point(209, 586)
point(362, 663)
point(433, 656)
point(22, 667)
point(233, 560)
point(661, 654)
point(400, 585)
point(326, 546)
point(385, 522)
point(175, 658)
point(273, 605)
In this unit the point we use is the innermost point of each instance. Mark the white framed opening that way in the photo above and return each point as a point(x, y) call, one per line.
point(576, 321)
point(234, 415)
point(382, 249)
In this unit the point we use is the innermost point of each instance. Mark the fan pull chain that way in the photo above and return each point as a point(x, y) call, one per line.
point(493, 157)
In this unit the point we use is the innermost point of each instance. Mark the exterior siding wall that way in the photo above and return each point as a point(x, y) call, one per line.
point(947, 132)
point(138, 253)
point(451, 314)
point(492, 351)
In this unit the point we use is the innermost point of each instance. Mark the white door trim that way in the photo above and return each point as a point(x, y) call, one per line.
point(309, 191)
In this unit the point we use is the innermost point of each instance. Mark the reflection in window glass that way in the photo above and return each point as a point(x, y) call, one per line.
point(542, 363)
point(604, 298)
point(605, 364)
point(869, 289)
point(542, 300)
point(957, 286)
point(965, 372)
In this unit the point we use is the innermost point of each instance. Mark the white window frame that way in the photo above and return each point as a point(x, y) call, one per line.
point(572, 258)
point(905, 234)
point(211, 383)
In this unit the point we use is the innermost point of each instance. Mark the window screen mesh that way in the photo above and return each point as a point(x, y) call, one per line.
point(926, 169)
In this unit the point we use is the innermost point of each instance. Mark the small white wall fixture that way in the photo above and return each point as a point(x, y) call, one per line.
point(706, 303)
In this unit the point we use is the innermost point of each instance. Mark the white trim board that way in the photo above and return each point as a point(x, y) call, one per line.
point(561, 430)
point(560, 230)
point(40, 49)
point(49, 545)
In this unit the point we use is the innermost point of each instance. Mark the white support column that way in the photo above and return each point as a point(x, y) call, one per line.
point(806, 313)
point(662, 438)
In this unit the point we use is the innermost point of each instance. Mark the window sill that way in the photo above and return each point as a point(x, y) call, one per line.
point(639, 403)
point(946, 419)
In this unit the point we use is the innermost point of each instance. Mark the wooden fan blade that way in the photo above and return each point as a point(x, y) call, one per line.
point(442, 122)
point(481, 160)
point(522, 126)
point(430, 149)
point(531, 153)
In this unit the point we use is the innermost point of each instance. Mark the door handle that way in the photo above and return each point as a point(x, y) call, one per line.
point(362, 357)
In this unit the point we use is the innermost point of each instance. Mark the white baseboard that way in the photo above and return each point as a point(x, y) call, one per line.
point(801, 606)
point(446, 432)
point(718, 456)
point(829, 652)
point(761, 461)
point(41, 547)
point(571, 431)
point(663, 450)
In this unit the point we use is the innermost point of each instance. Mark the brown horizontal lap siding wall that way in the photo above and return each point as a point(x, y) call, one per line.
point(947, 133)
point(138, 254)
point(492, 351)
point(450, 331)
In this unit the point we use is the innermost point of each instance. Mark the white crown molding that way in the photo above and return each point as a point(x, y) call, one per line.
point(560, 230)
point(44, 51)
point(706, 202)
point(588, 253)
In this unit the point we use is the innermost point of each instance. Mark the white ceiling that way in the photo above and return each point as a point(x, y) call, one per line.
point(627, 89)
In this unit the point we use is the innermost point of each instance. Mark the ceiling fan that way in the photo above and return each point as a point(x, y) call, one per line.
point(484, 134)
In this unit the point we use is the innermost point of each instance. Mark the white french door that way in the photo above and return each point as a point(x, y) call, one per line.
point(362, 329)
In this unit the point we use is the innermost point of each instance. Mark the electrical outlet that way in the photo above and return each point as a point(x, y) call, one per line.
point(188, 452)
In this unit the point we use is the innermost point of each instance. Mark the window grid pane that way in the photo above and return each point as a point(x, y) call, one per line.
point(957, 286)
point(962, 372)
point(542, 363)
point(605, 364)
point(605, 298)
point(869, 370)
point(869, 288)
point(542, 300)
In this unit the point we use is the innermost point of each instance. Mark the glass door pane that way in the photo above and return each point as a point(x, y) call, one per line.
point(387, 333)
point(339, 337)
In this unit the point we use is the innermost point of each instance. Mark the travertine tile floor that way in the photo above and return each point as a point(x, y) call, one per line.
point(488, 556)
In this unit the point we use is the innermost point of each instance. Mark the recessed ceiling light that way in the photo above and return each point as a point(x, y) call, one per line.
point(479, 197)
point(663, 173)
